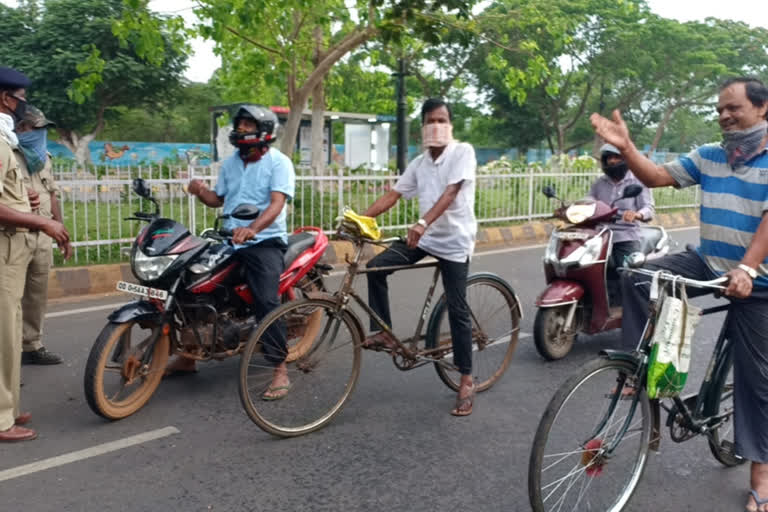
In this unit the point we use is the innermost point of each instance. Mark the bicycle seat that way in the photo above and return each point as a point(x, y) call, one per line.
point(360, 225)
point(297, 244)
point(650, 236)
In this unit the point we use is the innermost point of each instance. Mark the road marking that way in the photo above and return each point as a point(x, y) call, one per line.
point(84, 310)
point(94, 451)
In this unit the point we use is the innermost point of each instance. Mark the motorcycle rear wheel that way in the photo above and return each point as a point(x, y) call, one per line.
point(116, 383)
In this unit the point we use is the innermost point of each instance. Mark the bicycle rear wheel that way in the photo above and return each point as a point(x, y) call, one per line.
point(590, 447)
point(495, 316)
point(323, 367)
point(721, 442)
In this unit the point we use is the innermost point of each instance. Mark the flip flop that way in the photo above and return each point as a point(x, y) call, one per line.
point(759, 502)
point(274, 389)
point(379, 341)
point(461, 404)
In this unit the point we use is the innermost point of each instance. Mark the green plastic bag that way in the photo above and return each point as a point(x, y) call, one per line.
point(671, 345)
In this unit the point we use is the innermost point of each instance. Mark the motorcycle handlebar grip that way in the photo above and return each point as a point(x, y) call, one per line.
point(225, 232)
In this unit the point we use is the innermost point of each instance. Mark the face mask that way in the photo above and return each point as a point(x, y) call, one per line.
point(616, 172)
point(742, 145)
point(34, 145)
point(436, 135)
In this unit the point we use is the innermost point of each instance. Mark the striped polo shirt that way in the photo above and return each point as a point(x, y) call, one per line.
point(732, 203)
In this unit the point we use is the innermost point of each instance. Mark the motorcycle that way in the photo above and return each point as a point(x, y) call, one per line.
point(576, 298)
point(194, 302)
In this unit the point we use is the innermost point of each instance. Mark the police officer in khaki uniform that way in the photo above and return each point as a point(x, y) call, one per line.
point(16, 223)
point(32, 157)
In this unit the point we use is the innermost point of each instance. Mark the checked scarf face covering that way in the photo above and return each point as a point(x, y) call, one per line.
point(436, 135)
point(742, 145)
point(34, 145)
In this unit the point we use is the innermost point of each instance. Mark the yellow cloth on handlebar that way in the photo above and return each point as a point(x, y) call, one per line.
point(360, 225)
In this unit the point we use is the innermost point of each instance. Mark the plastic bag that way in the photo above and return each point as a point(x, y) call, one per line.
point(671, 345)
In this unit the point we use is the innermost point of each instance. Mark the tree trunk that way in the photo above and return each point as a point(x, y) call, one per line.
point(318, 127)
point(288, 142)
point(78, 146)
point(662, 126)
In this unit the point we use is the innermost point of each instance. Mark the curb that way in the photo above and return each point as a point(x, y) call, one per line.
point(100, 279)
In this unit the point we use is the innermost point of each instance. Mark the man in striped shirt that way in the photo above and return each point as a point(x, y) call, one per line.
point(734, 241)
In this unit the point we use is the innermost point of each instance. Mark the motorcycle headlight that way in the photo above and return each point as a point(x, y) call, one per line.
point(149, 268)
point(550, 253)
point(587, 253)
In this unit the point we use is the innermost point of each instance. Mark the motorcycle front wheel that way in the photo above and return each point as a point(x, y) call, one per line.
point(549, 334)
point(118, 381)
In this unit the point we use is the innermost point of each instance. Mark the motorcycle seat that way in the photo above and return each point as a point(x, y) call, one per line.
point(298, 243)
point(650, 236)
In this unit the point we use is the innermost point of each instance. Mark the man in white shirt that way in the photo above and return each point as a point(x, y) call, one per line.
point(443, 179)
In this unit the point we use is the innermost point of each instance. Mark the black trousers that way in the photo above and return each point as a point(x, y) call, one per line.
point(455, 285)
point(747, 332)
point(264, 264)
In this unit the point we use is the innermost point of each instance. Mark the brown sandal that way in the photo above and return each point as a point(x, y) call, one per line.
point(379, 341)
point(464, 405)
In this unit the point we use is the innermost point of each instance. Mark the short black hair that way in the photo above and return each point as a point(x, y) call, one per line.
point(757, 92)
point(434, 104)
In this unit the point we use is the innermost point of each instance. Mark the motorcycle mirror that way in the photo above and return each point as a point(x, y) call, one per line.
point(635, 260)
point(633, 190)
point(141, 188)
point(549, 191)
point(245, 212)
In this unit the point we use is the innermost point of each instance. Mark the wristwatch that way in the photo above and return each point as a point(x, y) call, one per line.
point(752, 273)
point(422, 223)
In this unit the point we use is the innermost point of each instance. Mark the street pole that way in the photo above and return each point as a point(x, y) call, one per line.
point(402, 122)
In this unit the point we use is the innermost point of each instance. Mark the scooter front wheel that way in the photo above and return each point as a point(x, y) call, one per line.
point(549, 335)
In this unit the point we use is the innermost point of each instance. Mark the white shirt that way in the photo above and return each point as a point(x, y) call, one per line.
point(452, 235)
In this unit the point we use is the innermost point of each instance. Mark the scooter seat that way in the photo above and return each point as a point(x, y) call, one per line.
point(297, 244)
point(650, 236)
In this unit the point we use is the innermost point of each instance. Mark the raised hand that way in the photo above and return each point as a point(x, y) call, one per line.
point(613, 131)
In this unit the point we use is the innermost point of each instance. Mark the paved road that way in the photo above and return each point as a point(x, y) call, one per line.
point(394, 447)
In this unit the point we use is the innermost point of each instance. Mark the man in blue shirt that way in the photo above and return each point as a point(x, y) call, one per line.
point(263, 177)
point(734, 241)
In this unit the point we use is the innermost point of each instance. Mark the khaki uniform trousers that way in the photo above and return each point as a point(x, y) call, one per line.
point(15, 255)
point(35, 300)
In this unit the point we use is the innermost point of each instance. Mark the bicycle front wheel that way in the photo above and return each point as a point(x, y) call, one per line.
point(323, 358)
point(495, 317)
point(591, 445)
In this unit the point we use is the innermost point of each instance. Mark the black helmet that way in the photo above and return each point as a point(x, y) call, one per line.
point(266, 126)
point(615, 172)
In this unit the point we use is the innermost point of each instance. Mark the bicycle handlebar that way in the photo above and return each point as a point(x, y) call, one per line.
point(715, 284)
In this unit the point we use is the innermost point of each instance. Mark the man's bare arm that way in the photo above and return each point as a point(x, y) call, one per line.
point(382, 204)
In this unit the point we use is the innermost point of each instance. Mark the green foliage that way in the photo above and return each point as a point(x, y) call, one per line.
point(80, 69)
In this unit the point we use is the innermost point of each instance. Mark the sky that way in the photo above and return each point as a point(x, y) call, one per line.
point(203, 62)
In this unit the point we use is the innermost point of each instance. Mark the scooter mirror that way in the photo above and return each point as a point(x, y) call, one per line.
point(633, 190)
point(635, 260)
point(245, 212)
point(141, 188)
point(549, 191)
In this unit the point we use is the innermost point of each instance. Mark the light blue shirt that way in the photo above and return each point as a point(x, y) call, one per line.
point(253, 184)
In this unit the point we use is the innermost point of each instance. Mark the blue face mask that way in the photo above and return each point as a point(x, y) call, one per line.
point(34, 145)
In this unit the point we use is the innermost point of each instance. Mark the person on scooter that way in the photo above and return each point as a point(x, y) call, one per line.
point(626, 233)
point(262, 176)
point(734, 242)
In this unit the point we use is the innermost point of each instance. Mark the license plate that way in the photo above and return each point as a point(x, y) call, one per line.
point(143, 291)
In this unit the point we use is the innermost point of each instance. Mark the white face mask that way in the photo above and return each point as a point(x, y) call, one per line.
point(436, 135)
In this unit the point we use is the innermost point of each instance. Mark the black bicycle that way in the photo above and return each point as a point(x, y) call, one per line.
point(592, 443)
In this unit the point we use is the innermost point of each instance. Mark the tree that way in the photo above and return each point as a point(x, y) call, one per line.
point(298, 42)
point(81, 70)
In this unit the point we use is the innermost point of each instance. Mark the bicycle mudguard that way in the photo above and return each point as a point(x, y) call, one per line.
point(621, 355)
point(137, 310)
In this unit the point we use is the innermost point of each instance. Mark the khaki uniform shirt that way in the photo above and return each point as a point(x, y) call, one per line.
point(13, 193)
point(41, 182)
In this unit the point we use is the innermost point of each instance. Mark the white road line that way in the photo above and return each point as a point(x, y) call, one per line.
point(94, 451)
point(84, 310)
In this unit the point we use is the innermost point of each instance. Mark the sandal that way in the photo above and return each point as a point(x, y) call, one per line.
point(379, 341)
point(464, 405)
point(760, 503)
point(276, 393)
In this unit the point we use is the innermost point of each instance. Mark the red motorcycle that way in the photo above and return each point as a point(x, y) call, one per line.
point(576, 298)
point(194, 303)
